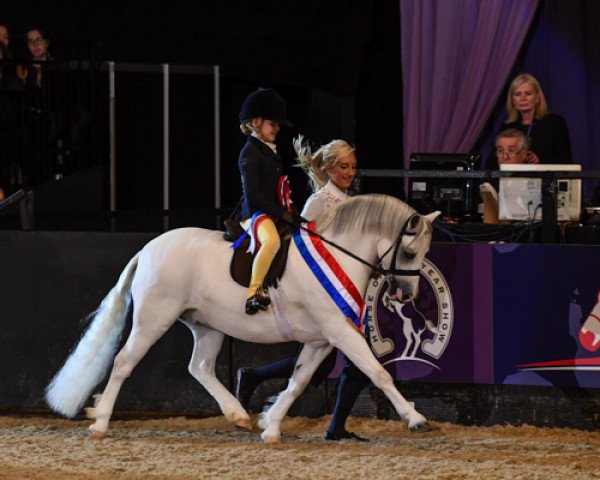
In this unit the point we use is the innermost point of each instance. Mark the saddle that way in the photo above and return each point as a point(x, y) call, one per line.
point(240, 267)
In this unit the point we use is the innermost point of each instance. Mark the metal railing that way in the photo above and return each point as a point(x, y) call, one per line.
point(549, 186)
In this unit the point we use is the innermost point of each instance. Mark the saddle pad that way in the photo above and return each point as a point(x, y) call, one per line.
point(240, 267)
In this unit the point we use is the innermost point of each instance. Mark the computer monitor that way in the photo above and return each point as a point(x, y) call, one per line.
point(520, 199)
point(454, 197)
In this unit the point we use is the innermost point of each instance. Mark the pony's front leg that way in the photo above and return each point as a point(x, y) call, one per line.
point(309, 359)
point(357, 350)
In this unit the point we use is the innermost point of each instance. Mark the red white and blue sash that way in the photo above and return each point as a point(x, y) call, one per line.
point(331, 276)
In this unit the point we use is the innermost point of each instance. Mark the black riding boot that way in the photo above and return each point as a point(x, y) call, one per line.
point(352, 381)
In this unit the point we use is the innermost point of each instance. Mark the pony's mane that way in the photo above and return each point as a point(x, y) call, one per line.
point(374, 213)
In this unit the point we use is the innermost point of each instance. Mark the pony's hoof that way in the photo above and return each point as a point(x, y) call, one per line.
point(420, 428)
point(244, 423)
point(271, 438)
point(97, 435)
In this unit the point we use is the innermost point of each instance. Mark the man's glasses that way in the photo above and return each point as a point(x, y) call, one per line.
point(35, 41)
point(510, 153)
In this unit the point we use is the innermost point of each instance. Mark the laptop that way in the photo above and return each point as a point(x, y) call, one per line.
point(520, 199)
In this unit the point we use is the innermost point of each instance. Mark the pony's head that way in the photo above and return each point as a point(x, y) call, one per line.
point(405, 236)
point(406, 256)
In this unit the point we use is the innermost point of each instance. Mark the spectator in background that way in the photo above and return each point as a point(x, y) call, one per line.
point(7, 67)
point(4, 36)
point(38, 45)
point(8, 74)
point(512, 147)
point(547, 133)
point(44, 77)
point(11, 113)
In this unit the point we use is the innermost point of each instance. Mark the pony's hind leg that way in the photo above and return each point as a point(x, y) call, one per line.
point(207, 344)
point(150, 322)
point(309, 359)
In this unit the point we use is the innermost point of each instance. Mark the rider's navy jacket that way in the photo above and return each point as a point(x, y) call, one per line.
point(260, 169)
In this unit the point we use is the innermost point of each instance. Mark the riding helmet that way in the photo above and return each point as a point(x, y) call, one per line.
point(265, 103)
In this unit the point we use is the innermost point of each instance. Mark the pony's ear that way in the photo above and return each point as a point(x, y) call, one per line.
point(433, 215)
point(414, 221)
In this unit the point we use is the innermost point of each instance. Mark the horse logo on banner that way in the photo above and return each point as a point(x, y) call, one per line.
point(413, 334)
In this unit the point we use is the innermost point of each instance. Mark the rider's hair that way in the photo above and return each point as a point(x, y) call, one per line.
point(316, 164)
point(247, 127)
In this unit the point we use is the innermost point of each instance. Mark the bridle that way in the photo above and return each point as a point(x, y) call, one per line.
point(388, 273)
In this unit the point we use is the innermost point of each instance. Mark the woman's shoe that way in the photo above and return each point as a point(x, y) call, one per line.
point(344, 435)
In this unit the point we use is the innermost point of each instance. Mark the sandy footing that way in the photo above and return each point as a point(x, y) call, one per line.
point(47, 448)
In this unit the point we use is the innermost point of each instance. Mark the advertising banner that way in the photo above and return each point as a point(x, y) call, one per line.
point(546, 315)
point(446, 334)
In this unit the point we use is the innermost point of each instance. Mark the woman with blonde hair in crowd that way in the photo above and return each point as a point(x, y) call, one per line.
point(546, 132)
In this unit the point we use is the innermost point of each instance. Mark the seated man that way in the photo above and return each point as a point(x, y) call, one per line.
point(511, 147)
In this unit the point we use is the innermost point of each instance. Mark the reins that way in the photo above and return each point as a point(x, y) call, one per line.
point(375, 267)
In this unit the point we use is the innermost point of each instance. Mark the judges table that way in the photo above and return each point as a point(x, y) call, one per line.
point(548, 228)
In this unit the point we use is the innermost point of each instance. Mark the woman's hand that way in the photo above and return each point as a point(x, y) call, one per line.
point(532, 157)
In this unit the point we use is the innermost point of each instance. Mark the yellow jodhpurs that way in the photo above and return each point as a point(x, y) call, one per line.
point(269, 245)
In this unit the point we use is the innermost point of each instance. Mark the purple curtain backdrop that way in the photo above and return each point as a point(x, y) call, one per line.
point(456, 58)
point(562, 53)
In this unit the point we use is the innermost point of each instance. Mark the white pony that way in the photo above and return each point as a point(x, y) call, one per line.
point(183, 275)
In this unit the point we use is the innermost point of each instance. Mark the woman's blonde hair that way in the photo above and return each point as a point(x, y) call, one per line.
point(541, 108)
point(316, 164)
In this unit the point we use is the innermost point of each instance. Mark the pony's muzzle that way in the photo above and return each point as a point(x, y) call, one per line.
point(399, 296)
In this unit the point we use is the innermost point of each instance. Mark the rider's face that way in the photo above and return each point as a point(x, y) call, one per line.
point(268, 130)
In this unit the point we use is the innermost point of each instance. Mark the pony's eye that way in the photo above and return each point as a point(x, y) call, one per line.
point(409, 255)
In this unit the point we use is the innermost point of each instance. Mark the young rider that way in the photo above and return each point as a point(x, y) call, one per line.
point(265, 191)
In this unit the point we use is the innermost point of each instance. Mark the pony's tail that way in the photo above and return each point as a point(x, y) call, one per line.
point(88, 363)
